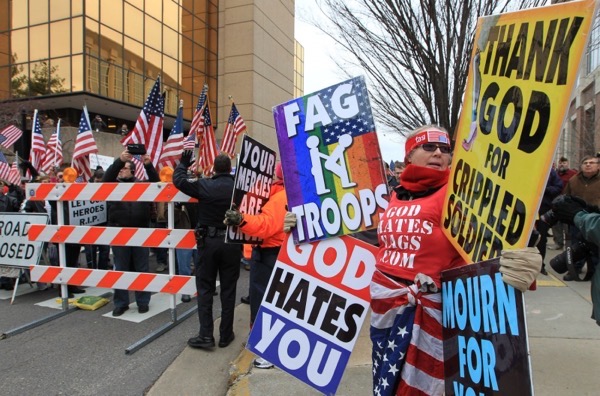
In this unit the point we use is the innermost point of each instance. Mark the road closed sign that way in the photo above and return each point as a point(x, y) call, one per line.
point(15, 248)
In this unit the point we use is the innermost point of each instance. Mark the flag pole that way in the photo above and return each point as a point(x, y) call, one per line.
point(57, 141)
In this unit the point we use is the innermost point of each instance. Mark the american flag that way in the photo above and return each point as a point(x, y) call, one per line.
point(140, 171)
point(208, 145)
point(205, 134)
point(54, 156)
point(190, 141)
point(174, 145)
point(38, 146)
point(148, 129)
point(84, 146)
point(9, 135)
point(406, 332)
point(8, 173)
point(235, 126)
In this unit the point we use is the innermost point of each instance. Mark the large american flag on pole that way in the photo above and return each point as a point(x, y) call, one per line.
point(85, 144)
point(9, 135)
point(148, 129)
point(38, 146)
point(174, 145)
point(54, 156)
point(8, 173)
point(235, 126)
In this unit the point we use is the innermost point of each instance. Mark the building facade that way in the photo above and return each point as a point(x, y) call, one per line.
point(57, 55)
point(580, 134)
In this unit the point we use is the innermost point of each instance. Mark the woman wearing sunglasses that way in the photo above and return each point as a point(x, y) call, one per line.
point(413, 252)
point(406, 328)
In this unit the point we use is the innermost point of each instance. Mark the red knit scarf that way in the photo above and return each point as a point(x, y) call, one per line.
point(420, 178)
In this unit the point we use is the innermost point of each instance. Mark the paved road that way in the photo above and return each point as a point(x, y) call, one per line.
point(83, 352)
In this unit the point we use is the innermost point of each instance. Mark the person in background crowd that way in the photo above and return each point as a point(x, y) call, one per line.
point(553, 189)
point(572, 211)
point(7, 204)
point(391, 180)
point(267, 225)
point(398, 169)
point(560, 231)
point(407, 297)
point(124, 130)
point(214, 256)
point(584, 185)
point(98, 256)
point(98, 124)
point(129, 214)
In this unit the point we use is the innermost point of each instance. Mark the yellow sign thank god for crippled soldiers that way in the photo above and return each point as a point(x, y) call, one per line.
point(523, 69)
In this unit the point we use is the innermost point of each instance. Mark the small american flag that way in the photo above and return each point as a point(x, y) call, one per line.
point(8, 173)
point(174, 145)
point(9, 135)
point(208, 145)
point(38, 146)
point(235, 126)
point(190, 141)
point(140, 171)
point(85, 144)
point(54, 156)
point(148, 129)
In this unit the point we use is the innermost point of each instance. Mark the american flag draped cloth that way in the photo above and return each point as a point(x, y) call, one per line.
point(406, 332)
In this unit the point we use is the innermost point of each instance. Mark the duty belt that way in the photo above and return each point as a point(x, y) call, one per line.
point(214, 232)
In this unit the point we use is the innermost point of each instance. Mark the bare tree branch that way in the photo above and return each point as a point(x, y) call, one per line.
point(415, 53)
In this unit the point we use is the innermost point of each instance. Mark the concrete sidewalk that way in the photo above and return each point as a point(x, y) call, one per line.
point(564, 343)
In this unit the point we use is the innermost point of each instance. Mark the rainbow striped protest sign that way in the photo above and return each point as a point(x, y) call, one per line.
point(332, 165)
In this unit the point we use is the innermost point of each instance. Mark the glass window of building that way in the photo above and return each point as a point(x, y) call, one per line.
point(77, 35)
point(19, 14)
point(111, 14)
point(171, 14)
point(19, 45)
point(153, 33)
point(92, 37)
point(76, 7)
point(134, 26)
point(154, 9)
point(92, 9)
point(138, 3)
point(171, 42)
point(38, 12)
point(60, 38)
point(60, 75)
point(77, 73)
point(60, 9)
point(133, 54)
point(38, 42)
point(19, 80)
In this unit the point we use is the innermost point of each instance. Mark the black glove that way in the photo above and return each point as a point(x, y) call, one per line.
point(186, 158)
point(233, 217)
point(565, 207)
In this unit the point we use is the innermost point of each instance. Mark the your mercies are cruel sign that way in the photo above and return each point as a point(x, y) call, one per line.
point(313, 309)
point(252, 186)
point(332, 166)
point(485, 338)
point(523, 69)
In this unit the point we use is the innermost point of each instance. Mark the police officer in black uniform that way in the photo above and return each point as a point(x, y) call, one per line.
point(214, 256)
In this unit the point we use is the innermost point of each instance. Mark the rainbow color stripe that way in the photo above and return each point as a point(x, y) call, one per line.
point(363, 160)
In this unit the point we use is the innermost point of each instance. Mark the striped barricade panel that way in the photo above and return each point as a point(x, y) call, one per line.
point(140, 192)
point(135, 281)
point(114, 236)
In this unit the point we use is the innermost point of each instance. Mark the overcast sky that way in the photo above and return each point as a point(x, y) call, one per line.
point(320, 70)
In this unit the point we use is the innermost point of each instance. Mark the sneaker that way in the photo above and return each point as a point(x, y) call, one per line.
point(161, 267)
point(261, 363)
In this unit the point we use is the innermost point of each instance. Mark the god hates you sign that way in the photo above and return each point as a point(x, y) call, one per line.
point(523, 70)
point(332, 165)
point(313, 309)
point(485, 338)
point(252, 186)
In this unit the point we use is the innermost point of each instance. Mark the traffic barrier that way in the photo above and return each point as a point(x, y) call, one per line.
point(114, 236)
point(136, 281)
point(141, 192)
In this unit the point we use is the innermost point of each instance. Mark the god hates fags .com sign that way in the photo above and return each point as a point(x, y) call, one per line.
point(485, 336)
point(306, 326)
